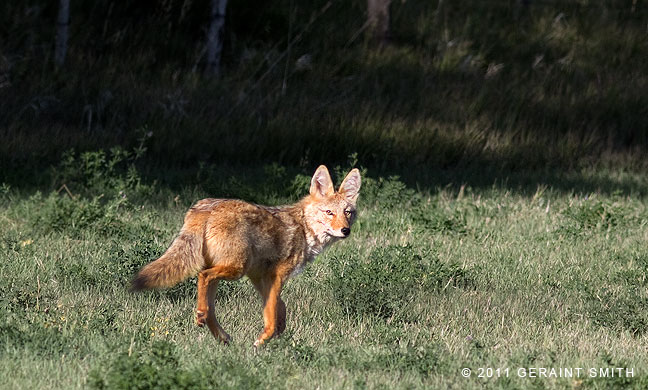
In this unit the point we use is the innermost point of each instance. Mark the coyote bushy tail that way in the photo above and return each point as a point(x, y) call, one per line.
point(182, 260)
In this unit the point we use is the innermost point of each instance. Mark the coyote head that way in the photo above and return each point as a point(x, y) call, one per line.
point(328, 213)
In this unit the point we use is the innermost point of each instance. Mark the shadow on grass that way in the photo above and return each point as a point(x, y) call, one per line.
point(543, 98)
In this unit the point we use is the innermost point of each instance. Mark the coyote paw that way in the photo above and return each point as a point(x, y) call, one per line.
point(201, 318)
point(225, 339)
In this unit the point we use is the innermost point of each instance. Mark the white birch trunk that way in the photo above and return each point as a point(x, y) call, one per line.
point(378, 18)
point(215, 36)
point(62, 24)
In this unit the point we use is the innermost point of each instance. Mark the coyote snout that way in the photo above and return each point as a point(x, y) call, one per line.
point(226, 239)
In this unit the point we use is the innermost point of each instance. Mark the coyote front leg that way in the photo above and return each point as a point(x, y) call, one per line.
point(274, 309)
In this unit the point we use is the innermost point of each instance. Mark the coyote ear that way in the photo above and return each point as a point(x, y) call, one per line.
point(351, 185)
point(321, 183)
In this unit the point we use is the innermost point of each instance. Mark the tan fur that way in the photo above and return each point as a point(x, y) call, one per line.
point(226, 239)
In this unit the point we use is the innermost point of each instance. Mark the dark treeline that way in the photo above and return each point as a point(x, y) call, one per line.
point(503, 83)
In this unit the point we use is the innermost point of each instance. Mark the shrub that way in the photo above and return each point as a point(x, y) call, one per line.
point(74, 214)
point(392, 277)
point(388, 193)
point(97, 173)
point(158, 367)
point(620, 310)
point(153, 370)
point(438, 220)
point(593, 214)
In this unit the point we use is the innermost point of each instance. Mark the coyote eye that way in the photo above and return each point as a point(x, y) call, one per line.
point(348, 213)
point(329, 212)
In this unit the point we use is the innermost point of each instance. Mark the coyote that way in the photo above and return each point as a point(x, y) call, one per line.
point(227, 238)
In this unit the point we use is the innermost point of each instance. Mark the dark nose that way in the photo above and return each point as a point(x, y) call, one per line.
point(346, 231)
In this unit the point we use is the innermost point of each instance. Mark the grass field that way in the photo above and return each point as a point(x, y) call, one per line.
point(503, 218)
point(430, 282)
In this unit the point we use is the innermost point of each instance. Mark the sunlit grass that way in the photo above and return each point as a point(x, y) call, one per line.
point(515, 236)
point(429, 283)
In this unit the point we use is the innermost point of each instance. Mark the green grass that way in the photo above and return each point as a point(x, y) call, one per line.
point(430, 282)
point(503, 214)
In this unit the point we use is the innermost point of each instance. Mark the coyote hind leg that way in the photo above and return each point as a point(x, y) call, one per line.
point(205, 311)
point(205, 308)
point(281, 317)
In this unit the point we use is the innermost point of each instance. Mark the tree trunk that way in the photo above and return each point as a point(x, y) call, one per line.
point(215, 36)
point(62, 24)
point(378, 19)
point(439, 12)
